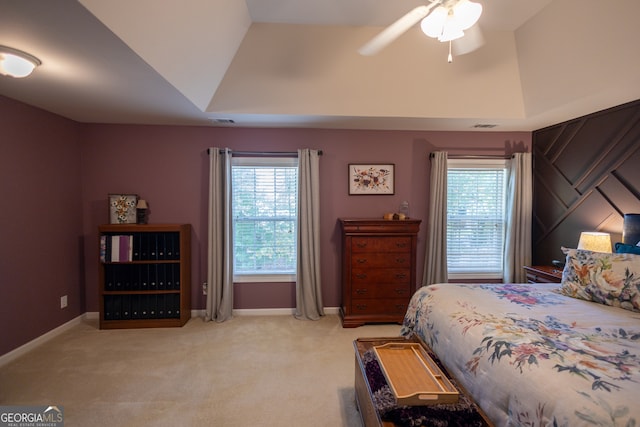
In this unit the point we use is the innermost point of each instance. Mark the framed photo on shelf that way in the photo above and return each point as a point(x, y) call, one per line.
point(122, 208)
point(371, 179)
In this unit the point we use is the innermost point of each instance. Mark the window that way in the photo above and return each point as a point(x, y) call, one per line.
point(265, 217)
point(476, 204)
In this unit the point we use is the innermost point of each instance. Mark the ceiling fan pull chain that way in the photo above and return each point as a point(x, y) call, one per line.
point(450, 58)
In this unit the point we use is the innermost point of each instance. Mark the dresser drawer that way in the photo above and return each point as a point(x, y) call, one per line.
point(379, 259)
point(377, 306)
point(543, 274)
point(378, 276)
point(386, 291)
point(381, 244)
point(541, 278)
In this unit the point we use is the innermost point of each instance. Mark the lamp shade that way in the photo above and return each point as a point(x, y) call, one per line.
point(631, 229)
point(142, 204)
point(595, 241)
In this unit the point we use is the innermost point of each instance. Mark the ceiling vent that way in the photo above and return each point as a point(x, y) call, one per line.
point(484, 126)
point(223, 121)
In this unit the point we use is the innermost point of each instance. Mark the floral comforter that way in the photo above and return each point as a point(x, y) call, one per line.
point(532, 357)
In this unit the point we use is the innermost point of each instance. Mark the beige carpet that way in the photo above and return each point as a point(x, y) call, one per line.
point(249, 371)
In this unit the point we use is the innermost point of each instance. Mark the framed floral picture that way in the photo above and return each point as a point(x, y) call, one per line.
point(122, 208)
point(371, 179)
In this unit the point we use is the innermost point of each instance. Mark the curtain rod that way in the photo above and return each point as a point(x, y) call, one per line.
point(478, 156)
point(265, 153)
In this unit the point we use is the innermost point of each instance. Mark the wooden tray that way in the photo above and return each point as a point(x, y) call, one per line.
point(413, 376)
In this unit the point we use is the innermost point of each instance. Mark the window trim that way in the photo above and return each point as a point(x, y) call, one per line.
point(268, 161)
point(264, 278)
point(482, 164)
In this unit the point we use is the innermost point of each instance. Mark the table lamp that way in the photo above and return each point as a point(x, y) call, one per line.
point(595, 241)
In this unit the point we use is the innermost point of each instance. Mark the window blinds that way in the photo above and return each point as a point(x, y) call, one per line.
point(475, 219)
point(264, 205)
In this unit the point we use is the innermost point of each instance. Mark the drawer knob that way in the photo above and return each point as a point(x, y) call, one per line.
point(361, 276)
point(400, 260)
point(361, 306)
point(361, 260)
point(361, 244)
point(361, 291)
point(401, 276)
point(401, 244)
point(400, 291)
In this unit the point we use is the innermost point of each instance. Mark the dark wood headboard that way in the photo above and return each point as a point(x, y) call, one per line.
point(586, 177)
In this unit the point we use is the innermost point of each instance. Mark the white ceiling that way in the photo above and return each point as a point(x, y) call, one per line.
point(295, 63)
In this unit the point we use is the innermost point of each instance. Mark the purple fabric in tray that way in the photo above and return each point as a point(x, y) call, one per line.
point(463, 413)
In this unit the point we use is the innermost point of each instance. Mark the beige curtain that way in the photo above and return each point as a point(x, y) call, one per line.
point(308, 282)
point(435, 264)
point(220, 246)
point(517, 251)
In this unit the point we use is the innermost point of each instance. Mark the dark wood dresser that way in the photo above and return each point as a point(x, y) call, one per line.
point(378, 269)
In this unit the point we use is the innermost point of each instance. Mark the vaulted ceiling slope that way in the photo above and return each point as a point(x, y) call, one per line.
point(295, 63)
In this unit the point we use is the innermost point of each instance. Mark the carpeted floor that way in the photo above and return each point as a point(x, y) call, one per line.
point(249, 371)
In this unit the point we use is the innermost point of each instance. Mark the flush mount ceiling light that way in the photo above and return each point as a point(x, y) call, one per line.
point(16, 63)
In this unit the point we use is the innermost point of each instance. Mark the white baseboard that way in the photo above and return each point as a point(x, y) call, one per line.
point(265, 311)
point(25, 348)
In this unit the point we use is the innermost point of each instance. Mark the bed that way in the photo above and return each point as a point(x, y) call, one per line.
point(542, 354)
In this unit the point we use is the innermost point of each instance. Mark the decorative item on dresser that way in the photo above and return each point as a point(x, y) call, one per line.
point(144, 275)
point(543, 274)
point(378, 269)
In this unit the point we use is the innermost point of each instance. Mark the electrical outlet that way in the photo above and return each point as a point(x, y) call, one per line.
point(63, 301)
point(204, 288)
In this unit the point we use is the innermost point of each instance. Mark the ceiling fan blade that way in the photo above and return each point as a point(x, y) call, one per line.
point(395, 30)
point(472, 40)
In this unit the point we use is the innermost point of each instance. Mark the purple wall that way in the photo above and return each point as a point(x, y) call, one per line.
point(40, 223)
point(168, 166)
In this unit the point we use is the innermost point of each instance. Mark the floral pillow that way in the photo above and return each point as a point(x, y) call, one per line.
point(605, 278)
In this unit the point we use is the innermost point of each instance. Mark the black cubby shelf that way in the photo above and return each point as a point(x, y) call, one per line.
point(144, 275)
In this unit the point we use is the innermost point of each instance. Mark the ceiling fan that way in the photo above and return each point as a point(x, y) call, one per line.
point(447, 22)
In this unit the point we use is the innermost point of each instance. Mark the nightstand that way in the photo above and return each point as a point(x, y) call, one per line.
point(543, 274)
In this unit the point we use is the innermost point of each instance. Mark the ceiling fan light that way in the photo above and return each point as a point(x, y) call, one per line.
point(451, 30)
point(450, 35)
point(15, 63)
point(433, 24)
point(467, 13)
